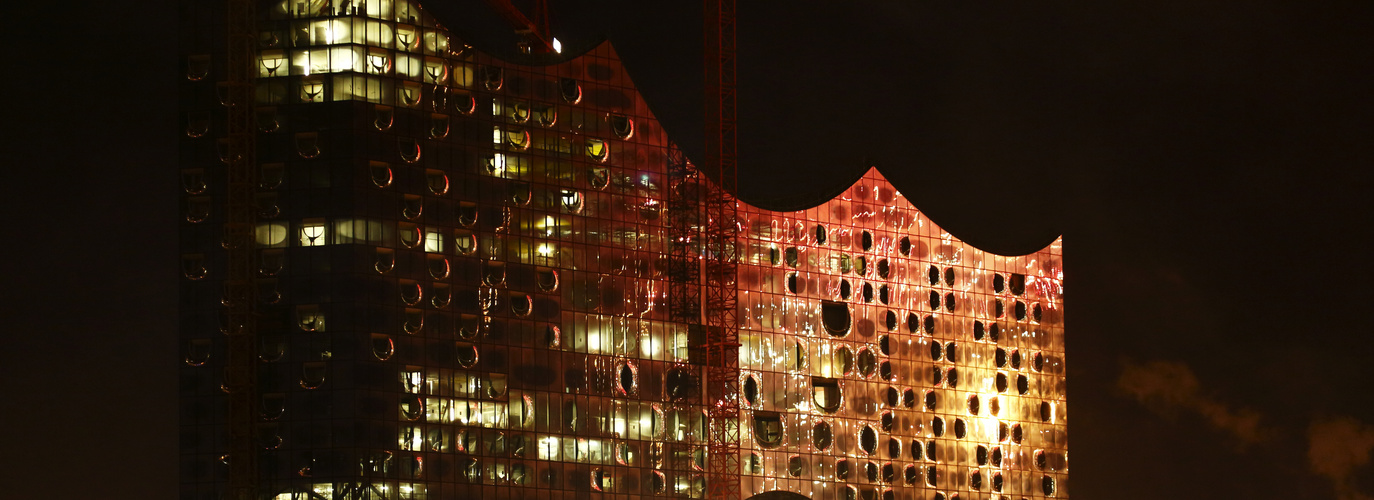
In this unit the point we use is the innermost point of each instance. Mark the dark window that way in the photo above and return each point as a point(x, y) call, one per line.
point(835, 317)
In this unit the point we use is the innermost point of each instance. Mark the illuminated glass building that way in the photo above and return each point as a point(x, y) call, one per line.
point(461, 291)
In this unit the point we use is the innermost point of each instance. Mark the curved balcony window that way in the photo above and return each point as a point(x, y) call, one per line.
point(411, 293)
point(825, 392)
point(791, 256)
point(570, 90)
point(553, 336)
point(868, 440)
point(469, 326)
point(408, 94)
point(835, 318)
point(598, 150)
point(494, 273)
point(193, 181)
point(768, 429)
point(266, 204)
point(493, 77)
point(197, 352)
point(436, 72)
point(952, 378)
point(598, 178)
point(383, 117)
point(547, 116)
point(519, 193)
point(437, 181)
point(197, 124)
point(467, 355)
point(268, 119)
point(496, 385)
point(309, 318)
point(384, 261)
point(438, 126)
point(517, 139)
point(197, 67)
point(467, 213)
point(438, 266)
point(312, 89)
point(273, 406)
point(268, 292)
point(312, 233)
point(861, 266)
point(412, 408)
point(193, 266)
point(409, 149)
point(518, 112)
point(521, 305)
point(627, 379)
point(750, 390)
point(845, 290)
point(441, 296)
point(622, 126)
point(821, 435)
point(414, 321)
point(271, 175)
point(271, 348)
point(843, 360)
point(868, 362)
point(463, 102)
point(412, 206)
point(312, 375)
point(571, 201)
point(546, 278)
point(382, 346)
point(270, 235)
point(197, 209)
point(410, 235)
point(465, 242)
point(819, 234)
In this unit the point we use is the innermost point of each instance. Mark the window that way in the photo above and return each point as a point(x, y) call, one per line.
point(835, 317)
point(312, 233)
point(570, 90)
point(622, 125)
point(825, 392)
point(768, 429)
point(598, 150)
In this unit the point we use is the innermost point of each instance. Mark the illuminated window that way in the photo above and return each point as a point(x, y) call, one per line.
point(825, 392)
point(768, 429)
point(312, 233)
point(597, 149)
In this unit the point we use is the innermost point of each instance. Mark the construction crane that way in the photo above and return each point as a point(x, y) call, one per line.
point(721, 236)
point(240, 218)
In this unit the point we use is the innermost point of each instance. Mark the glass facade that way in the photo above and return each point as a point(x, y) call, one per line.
point(461, 277)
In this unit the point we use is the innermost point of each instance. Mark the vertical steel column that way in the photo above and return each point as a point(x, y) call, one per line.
point(684, 239)
point(241, 370)
point(722, 232)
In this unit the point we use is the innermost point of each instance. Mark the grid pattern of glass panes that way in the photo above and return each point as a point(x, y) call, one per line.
point(882, 358)
point(461, 291)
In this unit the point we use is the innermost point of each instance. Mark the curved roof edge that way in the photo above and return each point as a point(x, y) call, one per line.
point(441, 10)
point(808, 202)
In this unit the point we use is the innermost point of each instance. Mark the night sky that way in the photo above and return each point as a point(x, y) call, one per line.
point(1207, 163)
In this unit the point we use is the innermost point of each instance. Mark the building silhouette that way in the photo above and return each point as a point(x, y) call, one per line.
point(461, 289)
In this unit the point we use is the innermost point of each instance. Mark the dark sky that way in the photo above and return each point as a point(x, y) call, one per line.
point(1208, 164)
